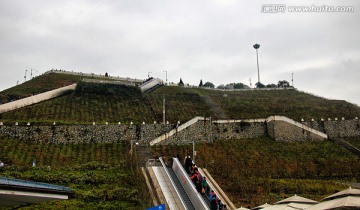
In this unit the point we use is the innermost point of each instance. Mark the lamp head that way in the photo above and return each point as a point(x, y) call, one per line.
point(256, 46)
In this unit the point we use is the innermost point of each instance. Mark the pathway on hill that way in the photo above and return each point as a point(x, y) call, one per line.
point(347, 146)
point(143, 154)
point(214, 107)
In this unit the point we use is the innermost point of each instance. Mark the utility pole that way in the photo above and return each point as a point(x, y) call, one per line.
point(164, 109)
point(165, 76)
point(292, 79)
point(31, 73)
point(25, 74)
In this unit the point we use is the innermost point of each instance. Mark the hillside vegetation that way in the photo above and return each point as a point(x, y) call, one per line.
point(251, 171)
point(117, 103)
point(38, 85)
point(101, 176)
point(89, 103)
point(257, 171)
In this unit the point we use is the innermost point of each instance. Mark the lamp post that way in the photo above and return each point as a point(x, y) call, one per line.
point(132, 145)
point(257, 46)
point(165, 76)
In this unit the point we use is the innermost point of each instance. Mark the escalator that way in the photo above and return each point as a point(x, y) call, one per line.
point(181, 190)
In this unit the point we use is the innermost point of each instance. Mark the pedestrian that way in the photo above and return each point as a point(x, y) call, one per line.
point(220, 204)
point(213, 201)
point(204, 186)
point(193, 169)
point(188, 163)
point(194, 177)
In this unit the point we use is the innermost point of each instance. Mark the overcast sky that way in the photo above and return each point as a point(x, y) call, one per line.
point(192, 40)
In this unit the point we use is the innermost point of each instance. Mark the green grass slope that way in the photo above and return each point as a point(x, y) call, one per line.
point(112, 103)
point(257, 171)
point(101, 176)
point(38, 85)
point(89, 103)
point(291, 103)
point(180, 104)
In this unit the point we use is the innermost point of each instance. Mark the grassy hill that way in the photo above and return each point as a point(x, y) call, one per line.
point(113, 103)
point(251, 171)
point(38, 85)
point(102, 176)
point(257, 171)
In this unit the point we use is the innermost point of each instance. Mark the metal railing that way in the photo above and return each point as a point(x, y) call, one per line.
point(172, 182)
point(30, 184)
point(189, 187)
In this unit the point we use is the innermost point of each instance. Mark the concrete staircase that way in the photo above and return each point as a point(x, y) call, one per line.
point(175, 130)
point(36, 98)
point(150, 85)
point(297, 124)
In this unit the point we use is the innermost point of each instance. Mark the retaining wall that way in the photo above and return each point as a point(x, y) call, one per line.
point(200, 131)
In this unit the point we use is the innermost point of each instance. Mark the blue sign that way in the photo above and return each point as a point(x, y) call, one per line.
point(159, 207)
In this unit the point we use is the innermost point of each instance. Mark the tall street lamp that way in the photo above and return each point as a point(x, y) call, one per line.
point(257, 46)
point(165, 76)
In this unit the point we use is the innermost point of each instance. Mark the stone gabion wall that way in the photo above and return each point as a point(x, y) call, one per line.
point(342, 128)
point(240, 130)
point(203, 131)
point(63, 134)
point(337, 128)
point(317, 125)
point(283, 131)
point(199, 132)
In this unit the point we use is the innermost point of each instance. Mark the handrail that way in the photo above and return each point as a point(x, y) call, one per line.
point(197, 197)
point(217, 189)
point(31, 184)
point(175, 130)
point(172, 182)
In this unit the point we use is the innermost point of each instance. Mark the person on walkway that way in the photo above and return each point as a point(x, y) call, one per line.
point(213, 201)
point(204, 186)
point(193, 169)
point(187, 164)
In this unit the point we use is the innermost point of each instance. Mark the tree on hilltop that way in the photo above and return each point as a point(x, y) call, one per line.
point(259, 85)
point(209, 84)
point(239, 86)
point(201, 83)
point(283, 83)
